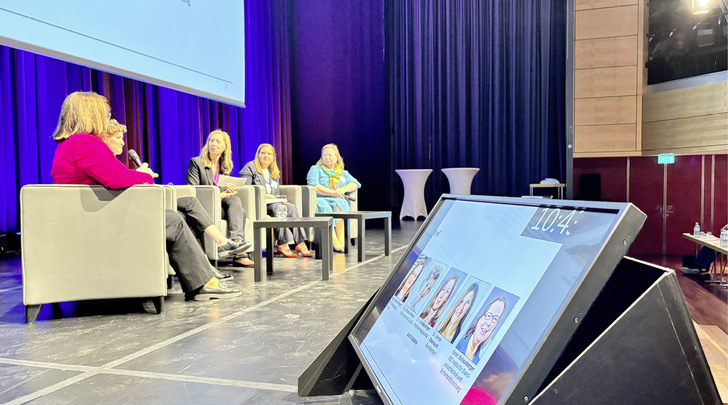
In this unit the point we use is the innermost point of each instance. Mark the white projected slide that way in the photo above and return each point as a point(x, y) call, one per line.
point(194, 46)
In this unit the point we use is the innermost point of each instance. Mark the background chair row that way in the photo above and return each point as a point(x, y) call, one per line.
point(253, 199)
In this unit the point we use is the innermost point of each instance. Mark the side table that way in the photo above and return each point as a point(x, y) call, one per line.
point(362, 217)
point(323, 224)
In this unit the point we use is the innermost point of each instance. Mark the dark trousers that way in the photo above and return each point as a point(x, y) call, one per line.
point(286, 235)
point(185, 254)
point(234, 213)
point(194, 212)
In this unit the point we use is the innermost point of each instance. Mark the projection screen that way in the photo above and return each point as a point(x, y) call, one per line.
point(189, 45)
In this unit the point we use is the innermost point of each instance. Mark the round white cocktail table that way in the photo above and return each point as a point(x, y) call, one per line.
point(414, 181)
point(460, 178)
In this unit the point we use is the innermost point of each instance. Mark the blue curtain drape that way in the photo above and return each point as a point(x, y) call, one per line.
point(476, 83)
point(165, 127)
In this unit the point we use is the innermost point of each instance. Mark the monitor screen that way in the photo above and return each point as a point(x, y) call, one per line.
point(487, 295)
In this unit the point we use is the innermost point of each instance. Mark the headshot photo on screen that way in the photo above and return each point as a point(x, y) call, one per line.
point(405, 288)
point(425, 285)
point(450, 325)
point(438, 303)
point(485, 325)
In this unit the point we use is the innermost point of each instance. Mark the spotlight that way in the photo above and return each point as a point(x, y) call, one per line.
point(700, 7)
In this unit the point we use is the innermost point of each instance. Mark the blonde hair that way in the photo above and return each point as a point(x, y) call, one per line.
point(420, 264)
point(438, 312)
point(115, 127)
point(82, 113)
point(474, 288)
point(273, 168)
point(339, 159)
point(226, 159)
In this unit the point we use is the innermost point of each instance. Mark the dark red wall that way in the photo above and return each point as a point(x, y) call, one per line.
point(647, 179)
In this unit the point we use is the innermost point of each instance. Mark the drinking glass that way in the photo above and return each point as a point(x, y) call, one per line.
point(281, 211)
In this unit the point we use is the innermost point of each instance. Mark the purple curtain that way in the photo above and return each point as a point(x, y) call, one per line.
point(477, 84)
point(165, 127)
point(338, 91)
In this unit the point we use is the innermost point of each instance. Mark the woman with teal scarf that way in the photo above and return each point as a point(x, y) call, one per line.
point(332, 182)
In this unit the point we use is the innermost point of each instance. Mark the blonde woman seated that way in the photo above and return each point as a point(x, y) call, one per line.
point(264, 171)
point(332, 183)
point(450, 327)
point(216, 159)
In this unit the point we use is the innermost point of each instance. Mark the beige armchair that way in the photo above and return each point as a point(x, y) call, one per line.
point(309, 210)
point(83, 242)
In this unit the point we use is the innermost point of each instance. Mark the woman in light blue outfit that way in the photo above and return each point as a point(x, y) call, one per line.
point(332, 182)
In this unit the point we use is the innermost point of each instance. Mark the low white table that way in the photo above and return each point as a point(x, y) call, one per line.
point(414, 181)
point(460, 179)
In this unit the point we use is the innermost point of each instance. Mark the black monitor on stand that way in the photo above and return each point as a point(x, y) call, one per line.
point(485, 304)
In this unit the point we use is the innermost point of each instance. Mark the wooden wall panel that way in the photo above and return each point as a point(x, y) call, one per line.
point(597, 138)
point(606, 22)
point(689, 102)
point(707, 133)
point(590, 4)
point(596, 53)
point(605, 82)
point(609, 110)
point(608, 77)
point(689, 120)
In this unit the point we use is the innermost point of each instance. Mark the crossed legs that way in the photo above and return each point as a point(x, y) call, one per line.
point(194, 272)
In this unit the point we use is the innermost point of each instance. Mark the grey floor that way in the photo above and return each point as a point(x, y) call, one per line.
point(248, 350)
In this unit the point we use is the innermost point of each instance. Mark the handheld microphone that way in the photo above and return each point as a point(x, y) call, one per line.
point(134, 157)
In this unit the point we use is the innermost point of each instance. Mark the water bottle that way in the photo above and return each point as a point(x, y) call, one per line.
point(724, 238)
point(696, 230)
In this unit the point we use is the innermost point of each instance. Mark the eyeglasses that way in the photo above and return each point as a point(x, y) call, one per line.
point(489, 317)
